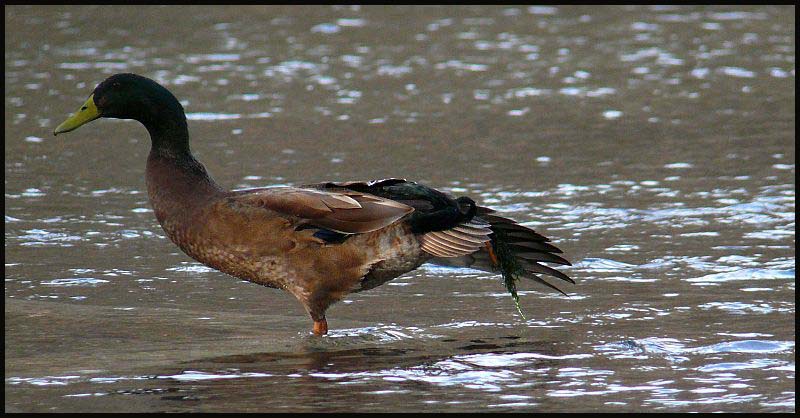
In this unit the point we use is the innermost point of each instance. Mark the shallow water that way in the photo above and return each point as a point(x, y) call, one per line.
point(655, 145)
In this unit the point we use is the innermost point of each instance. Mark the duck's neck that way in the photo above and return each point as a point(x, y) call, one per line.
point(177, 183)
point(169, 135)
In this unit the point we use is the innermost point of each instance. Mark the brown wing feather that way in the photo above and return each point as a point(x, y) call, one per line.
point(342, 211)
point(462, 240)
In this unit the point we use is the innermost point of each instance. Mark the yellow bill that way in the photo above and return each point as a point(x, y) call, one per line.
point(87, 113)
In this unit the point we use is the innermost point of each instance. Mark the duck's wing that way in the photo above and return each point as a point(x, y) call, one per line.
point(444, 226)
point(458, 232)
point(513, 248)
point(344, 211)
point(462, 239)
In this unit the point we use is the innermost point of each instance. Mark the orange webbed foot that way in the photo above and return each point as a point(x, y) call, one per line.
point(320, 327)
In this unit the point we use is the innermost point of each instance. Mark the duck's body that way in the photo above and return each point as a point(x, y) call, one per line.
point(320, 241)
point(239, 233)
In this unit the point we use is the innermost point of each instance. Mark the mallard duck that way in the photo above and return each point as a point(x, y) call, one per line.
point(319, 241)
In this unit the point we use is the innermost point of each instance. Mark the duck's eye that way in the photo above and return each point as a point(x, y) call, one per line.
point(84, 108)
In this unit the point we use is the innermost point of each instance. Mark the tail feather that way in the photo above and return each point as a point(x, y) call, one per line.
point(539, 268)
point(482, 261)
point(544, 282)
point(536, 246)
point(517, 231)
point(539, 256)
point(515, 251)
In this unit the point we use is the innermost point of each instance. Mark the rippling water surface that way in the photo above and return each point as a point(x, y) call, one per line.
point(655, 145)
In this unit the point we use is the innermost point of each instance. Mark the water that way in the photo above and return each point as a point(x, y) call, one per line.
point(655, 145)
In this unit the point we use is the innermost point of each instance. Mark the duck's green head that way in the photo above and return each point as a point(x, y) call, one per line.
point(125, 96)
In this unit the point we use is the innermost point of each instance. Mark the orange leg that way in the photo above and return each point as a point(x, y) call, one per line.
point(492, 255)
point(321, 327)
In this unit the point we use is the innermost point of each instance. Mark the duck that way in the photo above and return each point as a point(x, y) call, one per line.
point(317, 241)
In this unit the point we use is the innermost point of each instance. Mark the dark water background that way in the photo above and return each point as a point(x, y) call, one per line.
point(655, 145)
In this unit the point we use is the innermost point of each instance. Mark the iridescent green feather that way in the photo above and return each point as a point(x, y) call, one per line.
point(509, 267)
